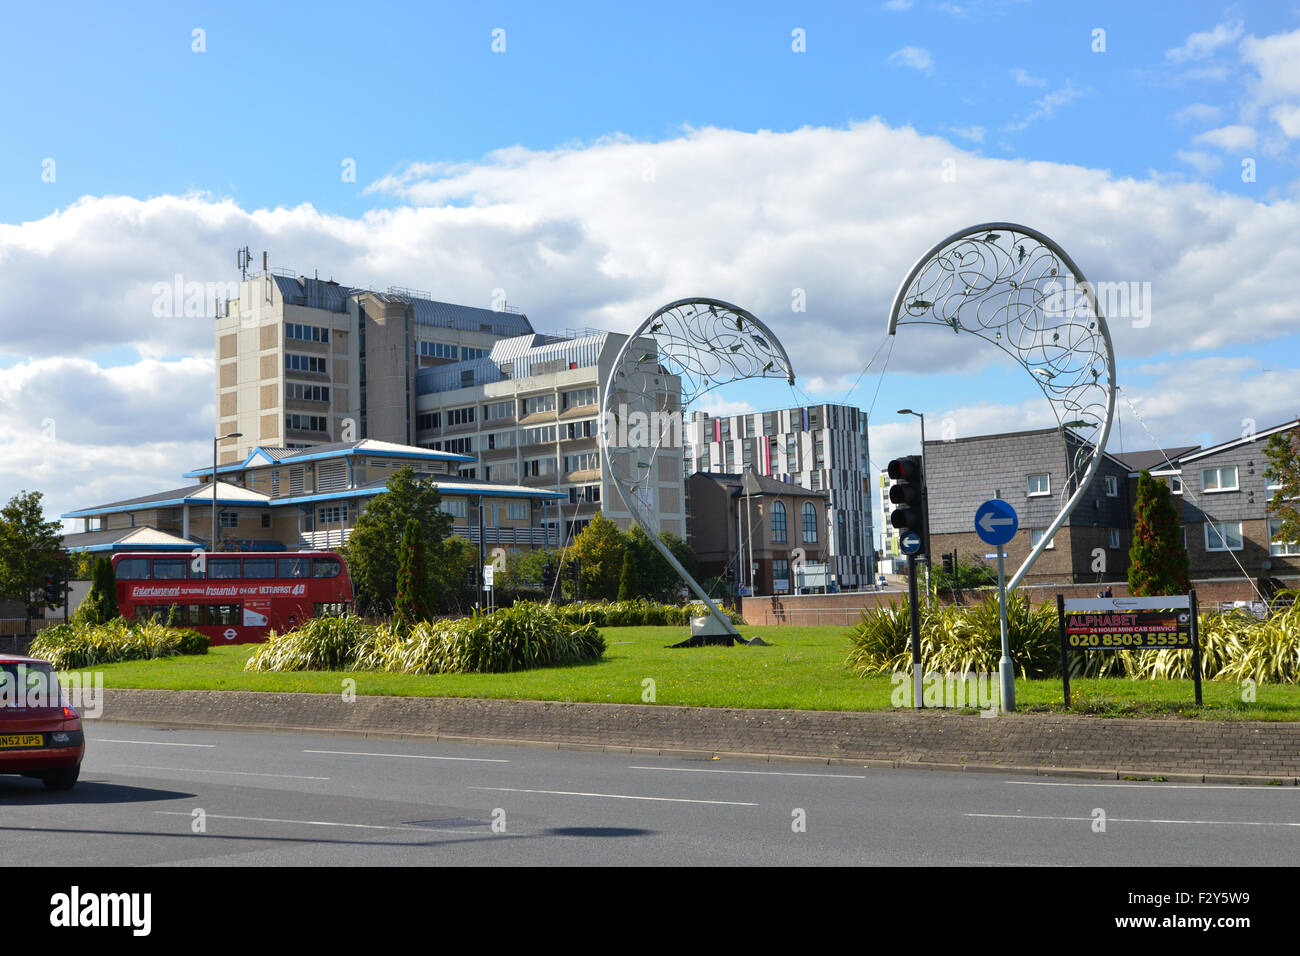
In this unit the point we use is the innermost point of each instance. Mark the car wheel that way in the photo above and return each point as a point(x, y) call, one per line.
point(63, 779)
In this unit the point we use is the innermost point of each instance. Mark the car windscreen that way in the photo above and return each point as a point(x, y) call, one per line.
point(26, 685)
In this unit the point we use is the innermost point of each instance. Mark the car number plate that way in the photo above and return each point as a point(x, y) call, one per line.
point(21, 740)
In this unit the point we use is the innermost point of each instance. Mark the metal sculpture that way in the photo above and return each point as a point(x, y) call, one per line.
point(704, 344)
point(1015, 287)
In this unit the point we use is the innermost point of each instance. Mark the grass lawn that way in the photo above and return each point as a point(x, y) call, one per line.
point(803, 669)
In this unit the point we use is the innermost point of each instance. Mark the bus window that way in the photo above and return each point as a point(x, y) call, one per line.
point(194, 617)
point(133, 569)
point(326, 568)
point(259, 567)
point(219, 614)
point(169, 569)
point(292, 567)
point(223, 568)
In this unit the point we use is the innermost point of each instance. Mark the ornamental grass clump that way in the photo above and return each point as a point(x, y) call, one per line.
point(321, 644)
point(73, 646)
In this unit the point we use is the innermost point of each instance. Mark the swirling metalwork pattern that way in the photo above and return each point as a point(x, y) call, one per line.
point(704, 344)
point(1013, 286)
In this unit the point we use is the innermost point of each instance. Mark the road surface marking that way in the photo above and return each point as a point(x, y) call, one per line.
point(1214, 823)
point(309, 823)
point(151, 743)
point(763, 773)
point(617, 796)
point(241, 773)
point(358, 753)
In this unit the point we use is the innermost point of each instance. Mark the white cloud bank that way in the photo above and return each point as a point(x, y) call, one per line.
point(601, 235)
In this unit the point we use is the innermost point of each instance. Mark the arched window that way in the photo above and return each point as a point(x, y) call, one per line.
point(809, 523)
point(778, 521)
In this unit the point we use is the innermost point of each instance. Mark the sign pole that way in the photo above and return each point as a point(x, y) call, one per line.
point(915, 615)
point(1065, 648)
point(1005, 667)
point(1196, 645)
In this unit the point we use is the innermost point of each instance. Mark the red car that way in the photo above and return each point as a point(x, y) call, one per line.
point(40, 734)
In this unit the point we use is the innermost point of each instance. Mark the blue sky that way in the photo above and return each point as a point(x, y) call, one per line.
point(525, 169)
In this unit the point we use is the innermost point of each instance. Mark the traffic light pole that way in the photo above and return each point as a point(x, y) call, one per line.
point(914, 612)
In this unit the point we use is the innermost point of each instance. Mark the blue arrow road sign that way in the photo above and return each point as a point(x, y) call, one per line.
point(996, 522)
point(909, 542)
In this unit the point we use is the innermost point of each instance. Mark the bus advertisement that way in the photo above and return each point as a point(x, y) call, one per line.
point(232, 598)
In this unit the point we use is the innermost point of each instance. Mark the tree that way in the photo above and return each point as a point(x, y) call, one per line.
point(656, 578)
point(414, 601)
point(600, 548)
point(1283, 454)
point(370, 553)
point(627, 586)
point(100, 605)
point(1157, 561)
point(31, 548)
point(454, 575)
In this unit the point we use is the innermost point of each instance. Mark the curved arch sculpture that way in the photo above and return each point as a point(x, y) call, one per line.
point(1015, 287)
point(704, 343)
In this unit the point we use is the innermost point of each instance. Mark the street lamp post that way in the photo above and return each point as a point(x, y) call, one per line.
point(925, 493)
point(215, 533)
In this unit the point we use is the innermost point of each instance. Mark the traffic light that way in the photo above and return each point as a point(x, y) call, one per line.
point(950, 564)
point(53, 590)
point(548, 577)
point(908, 497)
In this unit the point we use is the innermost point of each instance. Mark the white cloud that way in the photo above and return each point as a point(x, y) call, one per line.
point(1276, 60)
point(1201, 45)
point(973, 133)
point(1228, 137)
point(1046, 106)
point(1022, 78)
point(1288, 118)
point(1204, 163)
point(897, 6)
point(580, 236)
point(1197, 113)
point(914, 57)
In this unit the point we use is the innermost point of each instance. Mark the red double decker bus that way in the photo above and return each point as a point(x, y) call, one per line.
point(232, 598)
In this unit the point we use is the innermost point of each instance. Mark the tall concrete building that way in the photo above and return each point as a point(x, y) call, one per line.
point(303, 361)
point(817, 447)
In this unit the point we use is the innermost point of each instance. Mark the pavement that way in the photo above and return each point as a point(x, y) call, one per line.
point(150, 795)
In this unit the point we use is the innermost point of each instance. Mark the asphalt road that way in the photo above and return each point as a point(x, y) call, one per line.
point(291, 799)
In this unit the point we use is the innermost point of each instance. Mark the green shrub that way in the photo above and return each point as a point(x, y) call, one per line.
point(74, 645)
point(638, 613)
point(510, 639)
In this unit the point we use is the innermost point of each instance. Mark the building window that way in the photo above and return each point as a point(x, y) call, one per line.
point(1176, 484)
point(586, 429)
point(1112, 486)
point(1277, 547)
point(1037, 536)
point(538, 467)
point(455, 507)
point(266, 520)
point(306, 333)
point(580, 397)
point(1114, 539)
point(778, 521)
point(428, 420)
point(809, 523)
point(1219, 479)
point(517, 510)
point(228, 519)
point(461, 416)
point(498, 410)
point(1223, 535)
point(332, 514)
point(539, 403)
point(587, 461)
point(307, 393)
point(304, 363)
point(306, 423)
point(1039, 485)
point(440, 350)
point(780, 574)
